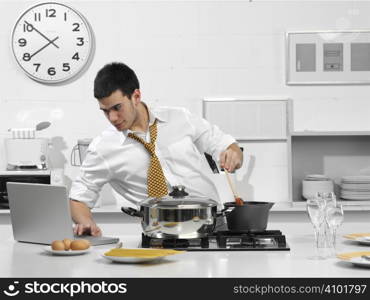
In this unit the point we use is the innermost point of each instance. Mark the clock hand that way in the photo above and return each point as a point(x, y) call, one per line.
point(42, 48)
point(45, 37)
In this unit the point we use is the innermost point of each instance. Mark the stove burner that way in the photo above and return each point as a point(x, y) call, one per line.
point(223, 241)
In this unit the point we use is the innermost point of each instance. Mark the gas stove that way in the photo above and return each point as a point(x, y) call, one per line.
point(223, 241)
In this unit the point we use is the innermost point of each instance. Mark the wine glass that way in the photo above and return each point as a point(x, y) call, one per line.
point(329, 199)
point(315, 209)
point(334, 217)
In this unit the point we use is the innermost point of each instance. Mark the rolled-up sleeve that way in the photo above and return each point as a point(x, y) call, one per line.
point(207, 137)
point(94, 173)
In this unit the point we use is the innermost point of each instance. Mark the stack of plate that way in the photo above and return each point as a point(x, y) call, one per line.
point(355, 187)
point(312, 184)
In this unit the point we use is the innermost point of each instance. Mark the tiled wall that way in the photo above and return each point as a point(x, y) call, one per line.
point(182, 52)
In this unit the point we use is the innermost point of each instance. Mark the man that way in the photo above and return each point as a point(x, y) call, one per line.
point(125, 155)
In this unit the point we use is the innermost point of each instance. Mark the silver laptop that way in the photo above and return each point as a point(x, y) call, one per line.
point(40, 213)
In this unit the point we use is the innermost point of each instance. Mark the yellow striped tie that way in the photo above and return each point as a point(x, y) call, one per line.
point(156, 183)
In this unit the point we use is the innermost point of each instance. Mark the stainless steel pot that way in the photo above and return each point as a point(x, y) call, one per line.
point(176, 216)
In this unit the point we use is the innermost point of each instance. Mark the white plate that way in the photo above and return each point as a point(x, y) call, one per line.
point(359, 198)
point(355, 187)
point(359, 261)
point(356, 179)
point(364, 240)
point(356, 193)
point(132, 260)
point(65, 253)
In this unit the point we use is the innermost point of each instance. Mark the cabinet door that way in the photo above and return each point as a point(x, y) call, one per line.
point(260, 126)
point(249, 119)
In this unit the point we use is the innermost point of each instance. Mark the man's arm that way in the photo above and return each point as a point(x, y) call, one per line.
point(82, 216)
point(210, 139)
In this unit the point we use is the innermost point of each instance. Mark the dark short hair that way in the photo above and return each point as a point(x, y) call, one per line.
point(115, 76)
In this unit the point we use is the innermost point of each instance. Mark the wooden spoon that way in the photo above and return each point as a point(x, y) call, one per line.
point(238, 200)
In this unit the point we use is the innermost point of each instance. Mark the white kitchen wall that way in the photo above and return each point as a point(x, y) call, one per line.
point(182, 52)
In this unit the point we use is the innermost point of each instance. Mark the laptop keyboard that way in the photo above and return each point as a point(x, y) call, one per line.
point(98, 240)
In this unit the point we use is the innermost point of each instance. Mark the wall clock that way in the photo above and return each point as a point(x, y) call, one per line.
point(52, 42)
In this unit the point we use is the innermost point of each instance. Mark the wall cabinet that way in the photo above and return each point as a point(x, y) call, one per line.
point(277, 158)
point(335, 154)
point(261, 127)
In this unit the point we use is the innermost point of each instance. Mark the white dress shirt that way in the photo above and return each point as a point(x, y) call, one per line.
point(182, 139)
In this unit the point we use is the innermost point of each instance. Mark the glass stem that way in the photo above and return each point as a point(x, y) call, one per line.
point(316, 237)
point(334, 238)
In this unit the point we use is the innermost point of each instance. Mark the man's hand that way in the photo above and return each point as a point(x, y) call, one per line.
point(231, 158)
point(82, 216)
point(89, 229)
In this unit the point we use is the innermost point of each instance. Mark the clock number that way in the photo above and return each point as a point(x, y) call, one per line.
point(27, 27)
point(22, 42)
point(50, 13)
point(51, 71)
point(37, 17)
point(65, 16)
point(80, 41)
point(37, 67)
point(26, 57)
point(76, 27)
point(75, 56)
point(66, 67)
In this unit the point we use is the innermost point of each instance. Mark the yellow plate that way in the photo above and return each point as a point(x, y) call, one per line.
point(141, 252)
point(354, 236)
point(138, 255)
point(349, 255)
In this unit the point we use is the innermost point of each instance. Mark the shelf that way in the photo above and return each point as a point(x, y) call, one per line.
point(262, 138)
point(347, 205)
point(330, 133)
point(334, 156)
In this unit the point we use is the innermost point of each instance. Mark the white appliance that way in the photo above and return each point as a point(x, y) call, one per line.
point(26, 153)
point(54, 177)
point(82, 145)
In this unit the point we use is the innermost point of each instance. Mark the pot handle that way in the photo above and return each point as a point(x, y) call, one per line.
point(132, 212)
point(224, 212)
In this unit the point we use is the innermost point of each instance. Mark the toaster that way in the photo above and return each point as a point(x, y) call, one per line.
point(26, 153)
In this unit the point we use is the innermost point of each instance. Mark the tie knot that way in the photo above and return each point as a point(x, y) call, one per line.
point(153, 136)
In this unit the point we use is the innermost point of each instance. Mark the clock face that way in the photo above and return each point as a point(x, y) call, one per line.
point(52, 42)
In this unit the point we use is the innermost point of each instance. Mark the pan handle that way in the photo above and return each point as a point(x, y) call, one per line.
point(224, 212)
point(132, 212)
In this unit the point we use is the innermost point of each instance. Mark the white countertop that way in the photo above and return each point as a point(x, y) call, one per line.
point(29, 260)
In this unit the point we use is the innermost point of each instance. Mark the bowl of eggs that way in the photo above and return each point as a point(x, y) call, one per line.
point(68, 247)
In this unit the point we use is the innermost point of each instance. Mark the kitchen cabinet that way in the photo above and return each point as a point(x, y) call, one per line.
point(278, 159)
point(249, 119)
point(335, 154)
point(261, 127)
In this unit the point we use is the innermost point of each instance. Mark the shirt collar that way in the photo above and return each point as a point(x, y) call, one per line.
point(160, 115)
point(154, 114)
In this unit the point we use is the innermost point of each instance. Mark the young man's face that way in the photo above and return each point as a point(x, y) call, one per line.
point(120, 110)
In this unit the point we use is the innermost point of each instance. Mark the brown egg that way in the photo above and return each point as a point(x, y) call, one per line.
point(67, 244)
point(57, 245)
point(80, 245)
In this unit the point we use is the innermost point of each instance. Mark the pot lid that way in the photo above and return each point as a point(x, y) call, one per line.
point(179, 198)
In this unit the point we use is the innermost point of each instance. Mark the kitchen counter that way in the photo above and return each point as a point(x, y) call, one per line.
point(29, 260)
